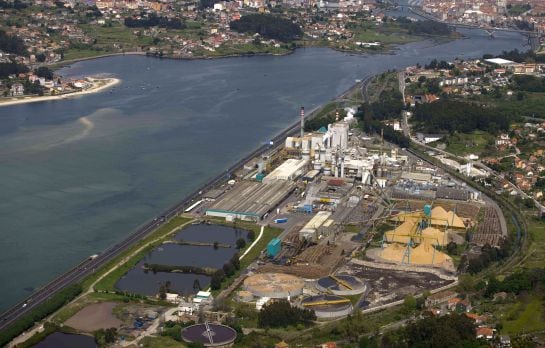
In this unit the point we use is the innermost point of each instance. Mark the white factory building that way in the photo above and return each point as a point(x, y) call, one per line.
point(328, 150)
point(289, 170)
point(311, 230)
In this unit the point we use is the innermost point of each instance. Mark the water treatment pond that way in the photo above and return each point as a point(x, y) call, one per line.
point(63, 340)
point(139, 281)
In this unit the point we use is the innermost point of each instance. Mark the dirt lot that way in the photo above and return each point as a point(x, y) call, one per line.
point(385, 286)
point(95, 316)
point(314, 262)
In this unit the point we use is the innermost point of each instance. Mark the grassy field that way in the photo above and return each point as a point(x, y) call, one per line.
point(524, 317)
point(386, 34)
point(160, 341)
point(532, 104)
point(535, 255)
point(462, 144)
point(118, 36)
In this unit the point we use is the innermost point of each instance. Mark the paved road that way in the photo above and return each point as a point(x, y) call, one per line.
point(89, 266)
point(478, 164)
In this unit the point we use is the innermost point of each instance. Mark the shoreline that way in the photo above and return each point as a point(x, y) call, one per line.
point(110, 82)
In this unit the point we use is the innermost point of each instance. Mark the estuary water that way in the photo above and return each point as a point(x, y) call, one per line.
point(78, 175)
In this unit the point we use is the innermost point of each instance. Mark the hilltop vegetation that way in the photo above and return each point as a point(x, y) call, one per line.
point(529, 83)
point(454, 330)
point(425, 27)
point(268, 26)
point(447, 116)
point(11, 44)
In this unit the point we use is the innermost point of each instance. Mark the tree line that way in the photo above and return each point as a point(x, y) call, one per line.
point(268, 26)
point(449, 331)
point(12, 44)
point(371, 117)
point(51, 305)
point(425, 27)
point(528, 83)
point(488, 256)
point(153, 20)
point(446, 116)
point(12, 68)
point(178, 269)
point(520, 281)
point(228, 269)
point(282, 314)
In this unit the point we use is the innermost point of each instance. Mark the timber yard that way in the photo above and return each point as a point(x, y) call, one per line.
point(361, 224)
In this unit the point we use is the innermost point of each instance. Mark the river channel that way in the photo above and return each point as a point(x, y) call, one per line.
point(78, 175)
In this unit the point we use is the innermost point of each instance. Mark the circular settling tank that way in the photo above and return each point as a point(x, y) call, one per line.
point(210, 335)
point(328, 306)
point(274, 285)
point(341, 284)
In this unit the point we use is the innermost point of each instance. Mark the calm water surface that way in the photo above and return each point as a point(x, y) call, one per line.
point(62, 340)
point(77, 176)
point(147, 283)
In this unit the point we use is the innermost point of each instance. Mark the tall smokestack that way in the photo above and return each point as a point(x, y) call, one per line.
point(302, 122)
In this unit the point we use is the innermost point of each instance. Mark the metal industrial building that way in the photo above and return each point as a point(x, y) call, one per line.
point(251, 200)
point(289, 170)
point(310, 230)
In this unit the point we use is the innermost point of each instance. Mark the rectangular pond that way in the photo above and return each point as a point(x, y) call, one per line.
point(140, 281)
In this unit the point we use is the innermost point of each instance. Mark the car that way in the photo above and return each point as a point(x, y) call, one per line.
point(24, 305)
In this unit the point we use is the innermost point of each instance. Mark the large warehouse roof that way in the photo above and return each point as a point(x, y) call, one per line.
point(252, 198)
point(287, 170)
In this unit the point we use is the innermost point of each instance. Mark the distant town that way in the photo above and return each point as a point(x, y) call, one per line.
point(408, 211)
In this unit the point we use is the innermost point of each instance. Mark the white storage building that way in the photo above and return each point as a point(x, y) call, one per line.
point(289, 170)
point(309, 231)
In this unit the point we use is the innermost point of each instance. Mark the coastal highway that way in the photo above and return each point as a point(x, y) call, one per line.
point(90, 265)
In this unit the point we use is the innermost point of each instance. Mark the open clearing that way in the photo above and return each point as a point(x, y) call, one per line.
point(94, 317)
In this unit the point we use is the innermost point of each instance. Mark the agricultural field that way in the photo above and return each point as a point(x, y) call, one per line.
point(535, 255)
point(462, 144)
point(524, 316)
point(386, 34)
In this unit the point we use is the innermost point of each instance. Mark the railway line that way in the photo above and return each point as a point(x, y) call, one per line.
point(91, 265)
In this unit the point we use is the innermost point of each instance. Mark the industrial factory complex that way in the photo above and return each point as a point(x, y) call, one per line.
point(364, 223)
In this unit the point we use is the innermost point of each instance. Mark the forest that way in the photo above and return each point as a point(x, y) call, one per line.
point(268, 26)
point(283, 314)
point(447, 116)
point(12, 44)
point(7, 69)
point(449, 331)
point(425, 27)
point(528, 83)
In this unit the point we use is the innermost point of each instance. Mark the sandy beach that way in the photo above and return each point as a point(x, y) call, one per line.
point(99, 85)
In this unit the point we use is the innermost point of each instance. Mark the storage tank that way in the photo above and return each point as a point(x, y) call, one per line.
point(274, 285)
point(328, 306)
point(210, 335)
